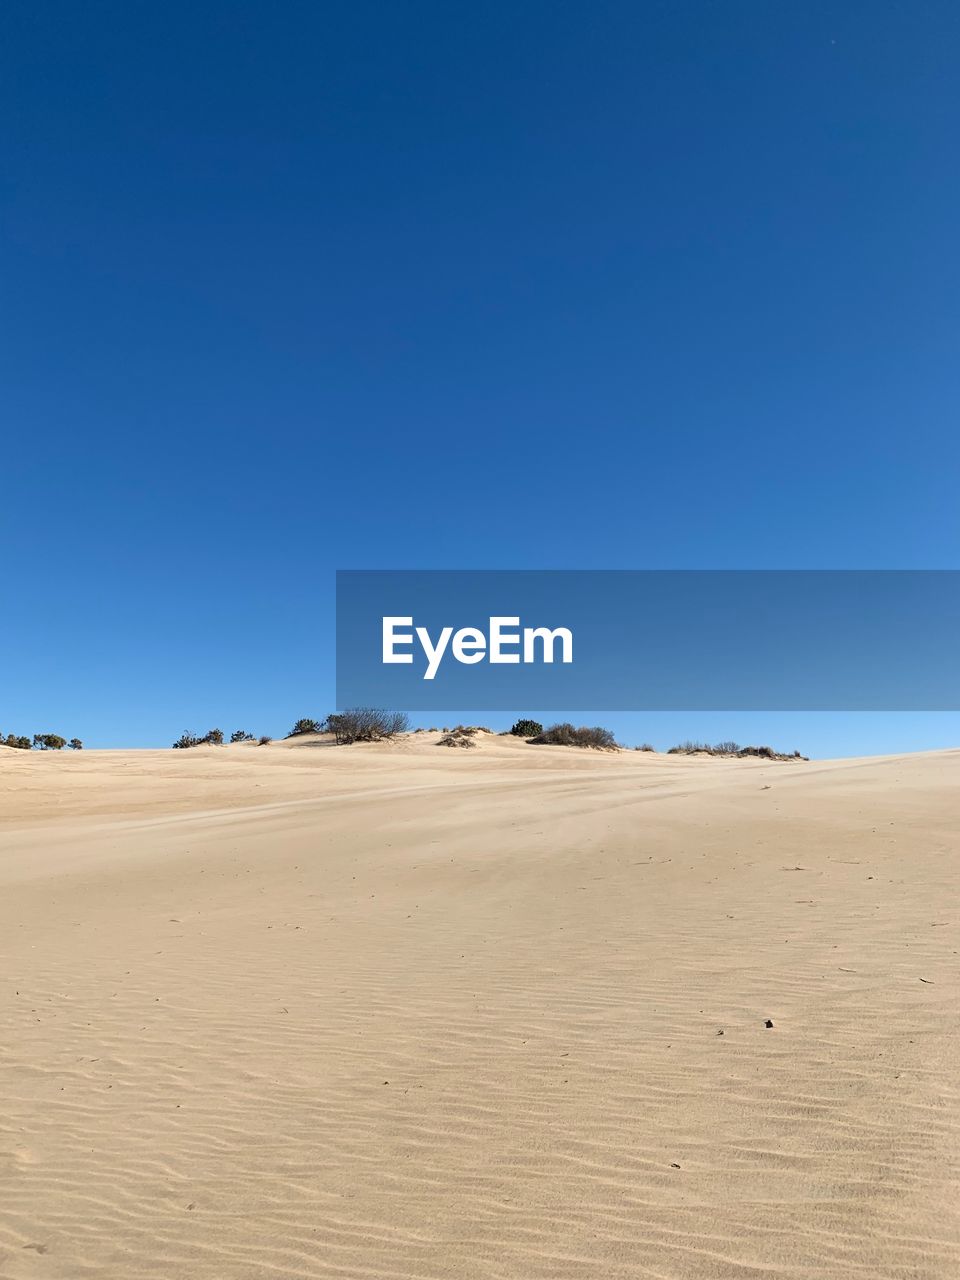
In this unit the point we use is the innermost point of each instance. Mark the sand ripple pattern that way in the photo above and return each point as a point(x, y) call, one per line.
point(501, 1027)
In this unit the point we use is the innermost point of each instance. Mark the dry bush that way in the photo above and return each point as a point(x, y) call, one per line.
point(366, 724)
point(646, 746)
point(568, 735)
point(457, 739)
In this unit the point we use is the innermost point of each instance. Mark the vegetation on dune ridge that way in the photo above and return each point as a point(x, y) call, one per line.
point(526, 728)
point(568, 735)
point(376, 724)
point(366, 724)
point(731, 750)
point(305, 726)
point(213, 737)
point(355, 724)
point(42, 741)
point(462, 735)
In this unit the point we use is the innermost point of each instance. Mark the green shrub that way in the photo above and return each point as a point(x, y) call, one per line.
point(305, 726)
point(49, 741)
point(527, 729)
point(75, 744)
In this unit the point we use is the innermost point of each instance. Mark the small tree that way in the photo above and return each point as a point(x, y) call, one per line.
point(527, 729)
point(305, 726)
point(49, 741)
point(214, 737)
point(75, 744)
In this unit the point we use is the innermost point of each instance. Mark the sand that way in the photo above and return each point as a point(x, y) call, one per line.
point(399, 1011)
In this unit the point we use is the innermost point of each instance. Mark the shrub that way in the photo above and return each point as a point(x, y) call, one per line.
point(186, 739)
point(49, 741)
point(305, 726)
point(646, 746)
point(264, 740)
point(75, 744)
point(214, 737)
point(567, 735)
point(18, 740)
point(527, 729)
point(366, 724)
point(240, 735)
point(462, 736)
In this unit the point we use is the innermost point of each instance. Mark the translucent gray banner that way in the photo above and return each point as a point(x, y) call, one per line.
point(649, 640)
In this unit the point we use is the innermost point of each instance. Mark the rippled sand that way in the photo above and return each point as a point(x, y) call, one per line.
point(400, 1011)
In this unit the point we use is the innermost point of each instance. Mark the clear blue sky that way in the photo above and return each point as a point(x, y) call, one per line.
point(295, 287)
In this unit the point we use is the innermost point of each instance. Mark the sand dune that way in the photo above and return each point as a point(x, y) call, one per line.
point(395, 1011)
